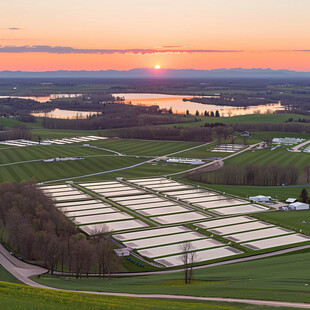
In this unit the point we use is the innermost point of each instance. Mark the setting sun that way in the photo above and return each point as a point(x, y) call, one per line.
point(157, 67)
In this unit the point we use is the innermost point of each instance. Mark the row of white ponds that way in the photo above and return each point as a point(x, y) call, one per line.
point(155, 217)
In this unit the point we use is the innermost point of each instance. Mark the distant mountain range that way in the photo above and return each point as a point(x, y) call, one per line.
point(161, 73)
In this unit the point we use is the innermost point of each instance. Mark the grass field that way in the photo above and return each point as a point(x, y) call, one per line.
point(250, 118)
point(279, 156)
point(57, 170)
point(284, 277)
point(291, 219)
point(271, 135)
point(21, 297)
point(5, 276)
point(279, 192)
point(17, 154)
point(143, 147)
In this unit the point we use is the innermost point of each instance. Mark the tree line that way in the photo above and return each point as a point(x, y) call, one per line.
point(251, 174)
point(32, 227)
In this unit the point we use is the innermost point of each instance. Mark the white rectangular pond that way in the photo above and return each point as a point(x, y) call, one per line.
point(89, 212)
point(150, 242)
point(146, 180)
point(76, 203)
point(141, 201)
point(225, 222)
point(259, 234)
point(84, 207)
point(171, 188)
point(123, 193)
point(71, 197)
point(134, 197)
point(240, 210)
point(164, 210)
point(57, 190)
point(221, 203)
point(98, 183)
point(113, 189)
point(275, 242)
point(150, 205)
point(201, 256)
point(114, 226)
point(178, 248)
point(240, 227)
point(179, 218)
point(67, 193)
point(101, 218)
point(206, 198)
point(195, 195)
point(151, 233)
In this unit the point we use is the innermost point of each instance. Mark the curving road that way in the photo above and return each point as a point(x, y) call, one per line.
point(22, 271)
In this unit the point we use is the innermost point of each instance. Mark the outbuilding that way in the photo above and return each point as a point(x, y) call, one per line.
point(291, 200)
point(122, 251)
point(260, 198)
point(298, 206)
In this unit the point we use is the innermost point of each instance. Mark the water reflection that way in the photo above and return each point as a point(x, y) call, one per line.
point(177, 104)
point(57, 113)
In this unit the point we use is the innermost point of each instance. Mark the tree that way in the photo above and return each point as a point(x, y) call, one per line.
point(217, 113)
point(206, 113)
point(188, 258)
point(187, 112)
point(212, 114)
point(197, 113)
point(304, 196)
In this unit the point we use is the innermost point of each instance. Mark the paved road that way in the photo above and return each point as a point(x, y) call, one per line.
point(22, 271)
point(297, 147)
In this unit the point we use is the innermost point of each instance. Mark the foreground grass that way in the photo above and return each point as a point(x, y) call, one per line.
point(6, 276)
point(22, 297)
point(284, 277)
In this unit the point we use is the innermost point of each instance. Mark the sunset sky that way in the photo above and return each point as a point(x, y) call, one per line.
point(38, 35)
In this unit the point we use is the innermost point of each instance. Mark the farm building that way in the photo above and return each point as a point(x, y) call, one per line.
point(298, 206)
point(122, 252)
point(290, 200)
point(260, 198)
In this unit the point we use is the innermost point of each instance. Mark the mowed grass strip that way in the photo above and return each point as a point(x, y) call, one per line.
point(57, 170)
point(143, 147)
point(19, 154)
point(283, 278)
point(7, 277)
point(281, 157)
point(21, 297)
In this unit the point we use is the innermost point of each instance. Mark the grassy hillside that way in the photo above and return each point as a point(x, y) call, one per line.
point(7, 277)
point(21, 297)
point(284, 277)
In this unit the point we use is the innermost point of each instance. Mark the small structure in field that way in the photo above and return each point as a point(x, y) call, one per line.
point(122, 251)
point(290, 200)
point(260, 198)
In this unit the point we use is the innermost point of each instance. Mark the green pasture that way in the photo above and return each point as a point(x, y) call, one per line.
point(278, 156)
point(297, 220)
point(284, 277)
point(279, 192)
point(18, 154)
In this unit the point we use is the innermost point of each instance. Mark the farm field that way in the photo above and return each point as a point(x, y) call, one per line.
point(18, 154)
point(293, 220)
point(144, 147)
point(23, 297)
point(58, 170)
point(58, 133)
point(282, 277)
point(250, 118)
point(279, 156)
point(279, 192)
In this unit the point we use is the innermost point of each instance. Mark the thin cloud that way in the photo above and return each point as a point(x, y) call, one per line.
point(71, 50)
point(10, 28)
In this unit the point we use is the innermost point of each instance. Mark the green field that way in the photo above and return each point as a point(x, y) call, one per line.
point(250, 118)
point(5, 276)
point(279, 156)
point(278, 192)
point(21, 297)
point(284, 277)
point(290, 219)
point(144, 147)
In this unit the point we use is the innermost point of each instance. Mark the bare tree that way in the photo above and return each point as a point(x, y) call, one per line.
point(188, 258)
